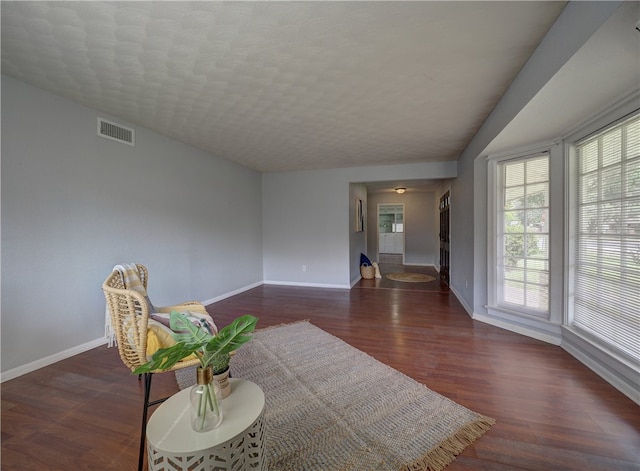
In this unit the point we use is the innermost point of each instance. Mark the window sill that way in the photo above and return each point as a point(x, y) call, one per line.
point(531, 326)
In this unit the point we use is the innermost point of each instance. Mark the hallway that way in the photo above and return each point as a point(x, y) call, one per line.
point(385, 283)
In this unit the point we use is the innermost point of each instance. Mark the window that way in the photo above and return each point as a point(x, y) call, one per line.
point(522, 245)
point(606, 281)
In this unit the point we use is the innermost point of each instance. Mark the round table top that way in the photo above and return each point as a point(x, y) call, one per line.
point(169, 428)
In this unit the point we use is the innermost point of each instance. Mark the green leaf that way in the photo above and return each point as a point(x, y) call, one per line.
point(186, 331)
point(232, 336)
point(194, 339)
point(165, 358)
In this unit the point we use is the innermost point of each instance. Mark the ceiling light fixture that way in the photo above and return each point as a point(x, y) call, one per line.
point(400, 190)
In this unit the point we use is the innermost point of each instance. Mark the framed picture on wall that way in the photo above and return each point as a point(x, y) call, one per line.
point(360, 212)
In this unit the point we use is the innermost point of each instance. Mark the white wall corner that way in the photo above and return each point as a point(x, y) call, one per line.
point(461, 300)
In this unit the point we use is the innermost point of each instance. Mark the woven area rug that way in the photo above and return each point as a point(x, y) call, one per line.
point(331, 407)
point(410, 277)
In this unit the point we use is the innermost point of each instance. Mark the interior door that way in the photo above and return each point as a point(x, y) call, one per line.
point(444, 236)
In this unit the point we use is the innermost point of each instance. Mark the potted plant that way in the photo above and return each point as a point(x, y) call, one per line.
point(210, 350)
point(220, 367)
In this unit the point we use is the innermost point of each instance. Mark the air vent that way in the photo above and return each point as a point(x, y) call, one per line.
point(116, 132)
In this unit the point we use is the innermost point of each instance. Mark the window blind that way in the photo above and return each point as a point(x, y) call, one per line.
point(523, 235)
point(607, 247)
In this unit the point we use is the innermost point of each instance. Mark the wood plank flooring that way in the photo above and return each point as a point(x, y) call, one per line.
point(552, 412)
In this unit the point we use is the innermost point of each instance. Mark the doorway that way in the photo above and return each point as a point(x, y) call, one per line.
point(391, 233)
point(445, 219)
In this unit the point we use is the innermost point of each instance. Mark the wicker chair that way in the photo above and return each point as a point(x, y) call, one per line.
point(129, 312)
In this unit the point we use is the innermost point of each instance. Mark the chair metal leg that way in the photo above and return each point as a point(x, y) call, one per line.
point(143, 431)
point(145, 413)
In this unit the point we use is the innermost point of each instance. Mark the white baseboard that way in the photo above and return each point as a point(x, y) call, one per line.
point(545, 333)
point(356, 281)
point(232, 293)
point(306, 285)
point(41, 363)
point(51, 359)
point(615, 371)
point(459, 298)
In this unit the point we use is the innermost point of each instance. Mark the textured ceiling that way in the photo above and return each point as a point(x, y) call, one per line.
point(279, 86)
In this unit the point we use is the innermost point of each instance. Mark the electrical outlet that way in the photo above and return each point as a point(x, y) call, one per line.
point(304, 268)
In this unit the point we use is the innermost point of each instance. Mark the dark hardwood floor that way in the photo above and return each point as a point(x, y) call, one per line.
point(552, 412)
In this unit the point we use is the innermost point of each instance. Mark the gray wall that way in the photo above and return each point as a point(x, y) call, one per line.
point(419, 225)
point(308, 220)
point(462, 227)
point(75, 204)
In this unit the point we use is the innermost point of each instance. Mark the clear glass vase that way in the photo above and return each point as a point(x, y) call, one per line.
point(206, 413)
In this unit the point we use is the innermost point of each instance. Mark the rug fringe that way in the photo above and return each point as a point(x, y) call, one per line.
point(441, 456)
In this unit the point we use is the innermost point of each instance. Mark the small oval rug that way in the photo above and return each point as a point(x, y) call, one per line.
point(410, 277)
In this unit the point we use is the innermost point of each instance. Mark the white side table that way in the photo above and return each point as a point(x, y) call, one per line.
point(237, 444)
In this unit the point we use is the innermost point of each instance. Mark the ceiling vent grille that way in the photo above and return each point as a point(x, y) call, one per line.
point(115, 132)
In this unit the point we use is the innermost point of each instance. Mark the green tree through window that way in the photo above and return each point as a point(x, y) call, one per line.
point(523, 240)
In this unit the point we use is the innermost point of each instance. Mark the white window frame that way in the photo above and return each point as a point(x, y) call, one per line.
point(616, 369)
point(494, 203)
point(625, 365)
